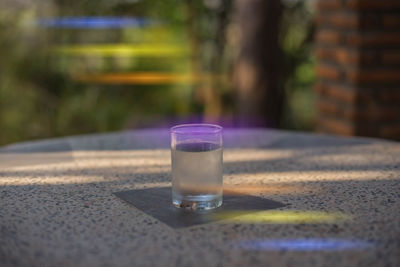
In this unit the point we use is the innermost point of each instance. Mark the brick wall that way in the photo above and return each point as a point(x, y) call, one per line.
point(358, 67)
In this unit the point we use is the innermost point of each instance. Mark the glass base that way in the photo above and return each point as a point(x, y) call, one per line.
point(197, 202)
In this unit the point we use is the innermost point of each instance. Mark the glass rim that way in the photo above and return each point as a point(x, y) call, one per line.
point(203, 128)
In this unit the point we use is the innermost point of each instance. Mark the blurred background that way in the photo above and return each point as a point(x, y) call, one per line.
point(76, 67)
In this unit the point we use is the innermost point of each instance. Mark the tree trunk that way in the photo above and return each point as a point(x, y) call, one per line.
point(258, 67)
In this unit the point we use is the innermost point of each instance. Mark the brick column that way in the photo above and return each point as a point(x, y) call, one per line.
point(358, 67)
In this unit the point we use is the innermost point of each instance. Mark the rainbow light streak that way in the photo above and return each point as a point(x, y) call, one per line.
point(282, 217)
point(94, 22)
point(136, 50)
point(305, 244)
point(142, 78)
point(248, 189)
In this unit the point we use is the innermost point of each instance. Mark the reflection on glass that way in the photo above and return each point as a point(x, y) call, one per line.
point(282, 217)
point(305, 244)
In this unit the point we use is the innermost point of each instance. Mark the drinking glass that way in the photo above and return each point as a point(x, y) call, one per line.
point(196, 157)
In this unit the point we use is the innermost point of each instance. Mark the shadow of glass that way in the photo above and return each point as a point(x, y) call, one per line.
point(156, 202)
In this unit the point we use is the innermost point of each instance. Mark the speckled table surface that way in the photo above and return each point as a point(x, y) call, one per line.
point(341, 196)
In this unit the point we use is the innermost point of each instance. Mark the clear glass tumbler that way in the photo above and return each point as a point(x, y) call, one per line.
point(196, 155)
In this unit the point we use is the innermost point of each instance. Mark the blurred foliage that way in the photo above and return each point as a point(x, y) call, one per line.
point(39, 97)
point(297, 38)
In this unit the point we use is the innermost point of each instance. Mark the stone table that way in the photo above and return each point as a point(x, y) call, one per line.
point(340, 202)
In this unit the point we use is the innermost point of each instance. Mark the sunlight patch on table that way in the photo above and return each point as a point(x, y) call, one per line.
point(50, 180)
point(292, 175)
point(44, 159)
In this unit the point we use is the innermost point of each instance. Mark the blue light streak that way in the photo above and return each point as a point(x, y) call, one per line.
point(305, 244)
point(94, 22)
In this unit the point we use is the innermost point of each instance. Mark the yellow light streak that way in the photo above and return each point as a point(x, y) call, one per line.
point(282, 217)
point(142, 78)
point(136, 50)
